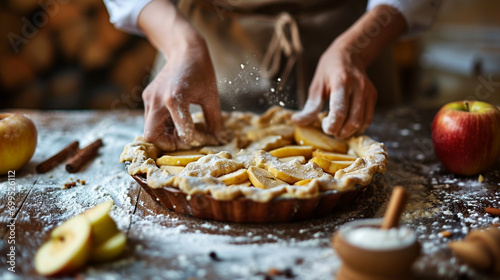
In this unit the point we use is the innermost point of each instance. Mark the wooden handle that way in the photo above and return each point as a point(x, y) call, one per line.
point(395, 208)
point(492, 211)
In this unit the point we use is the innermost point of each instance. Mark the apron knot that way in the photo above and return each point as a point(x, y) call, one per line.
point(285, 42)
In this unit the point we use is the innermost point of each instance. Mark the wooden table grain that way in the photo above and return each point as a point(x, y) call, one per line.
point(165, 245)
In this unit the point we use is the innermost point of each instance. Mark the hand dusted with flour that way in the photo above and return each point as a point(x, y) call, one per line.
point(341, 75)
point(187, 78)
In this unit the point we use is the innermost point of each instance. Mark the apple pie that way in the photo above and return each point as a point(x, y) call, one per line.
point(266, 159)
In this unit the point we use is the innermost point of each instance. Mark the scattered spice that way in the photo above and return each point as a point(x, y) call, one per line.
point(72, 183)
point(480, 179)
point(287, 273)
point(69, 185)
point(214, 256)
point(273, 271)
point(299, 261)
point(81, 182)
point(446, 233)
point(492, 211)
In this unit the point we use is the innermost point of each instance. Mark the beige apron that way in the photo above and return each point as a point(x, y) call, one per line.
point(265, 52)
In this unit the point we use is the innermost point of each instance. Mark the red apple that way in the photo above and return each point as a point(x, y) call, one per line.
point(466, 136)
point(18, 138)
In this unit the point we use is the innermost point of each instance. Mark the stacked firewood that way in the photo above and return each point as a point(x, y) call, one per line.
point(65, 54)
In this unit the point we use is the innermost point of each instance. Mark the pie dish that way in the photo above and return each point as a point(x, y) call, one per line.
point(270, 171)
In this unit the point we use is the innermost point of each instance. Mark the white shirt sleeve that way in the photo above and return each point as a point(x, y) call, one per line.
point(124, 13)
point(419, 14)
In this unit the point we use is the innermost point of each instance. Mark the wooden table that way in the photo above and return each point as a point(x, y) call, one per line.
point(166, 245)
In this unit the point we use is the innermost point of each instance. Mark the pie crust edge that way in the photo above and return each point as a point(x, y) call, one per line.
point(372, 158)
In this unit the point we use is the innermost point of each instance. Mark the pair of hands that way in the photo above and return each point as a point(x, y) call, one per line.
point(189, 77)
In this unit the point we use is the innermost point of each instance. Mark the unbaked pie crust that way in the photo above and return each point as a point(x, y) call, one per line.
point(265, 159)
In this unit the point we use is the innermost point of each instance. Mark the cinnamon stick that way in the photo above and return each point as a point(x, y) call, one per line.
point(83, 156)
point(395, 208)
point(58, 158)
point(492, 211)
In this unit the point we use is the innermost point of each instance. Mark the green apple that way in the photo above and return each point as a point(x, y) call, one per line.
point(91, 235)
point(18, 137)
point(103, 226)
point(68, 249)
point(110, 249)
point(108, 241)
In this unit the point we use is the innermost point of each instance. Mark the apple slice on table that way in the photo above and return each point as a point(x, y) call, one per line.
point(91, 234)
point(103, 226)
point(110, 249)
point(108, 241)
point(68, 249)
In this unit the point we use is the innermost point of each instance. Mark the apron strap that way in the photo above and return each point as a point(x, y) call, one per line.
point(286, 42)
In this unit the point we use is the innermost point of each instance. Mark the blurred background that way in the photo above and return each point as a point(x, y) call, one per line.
point(459, 58)
point(64, 54)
